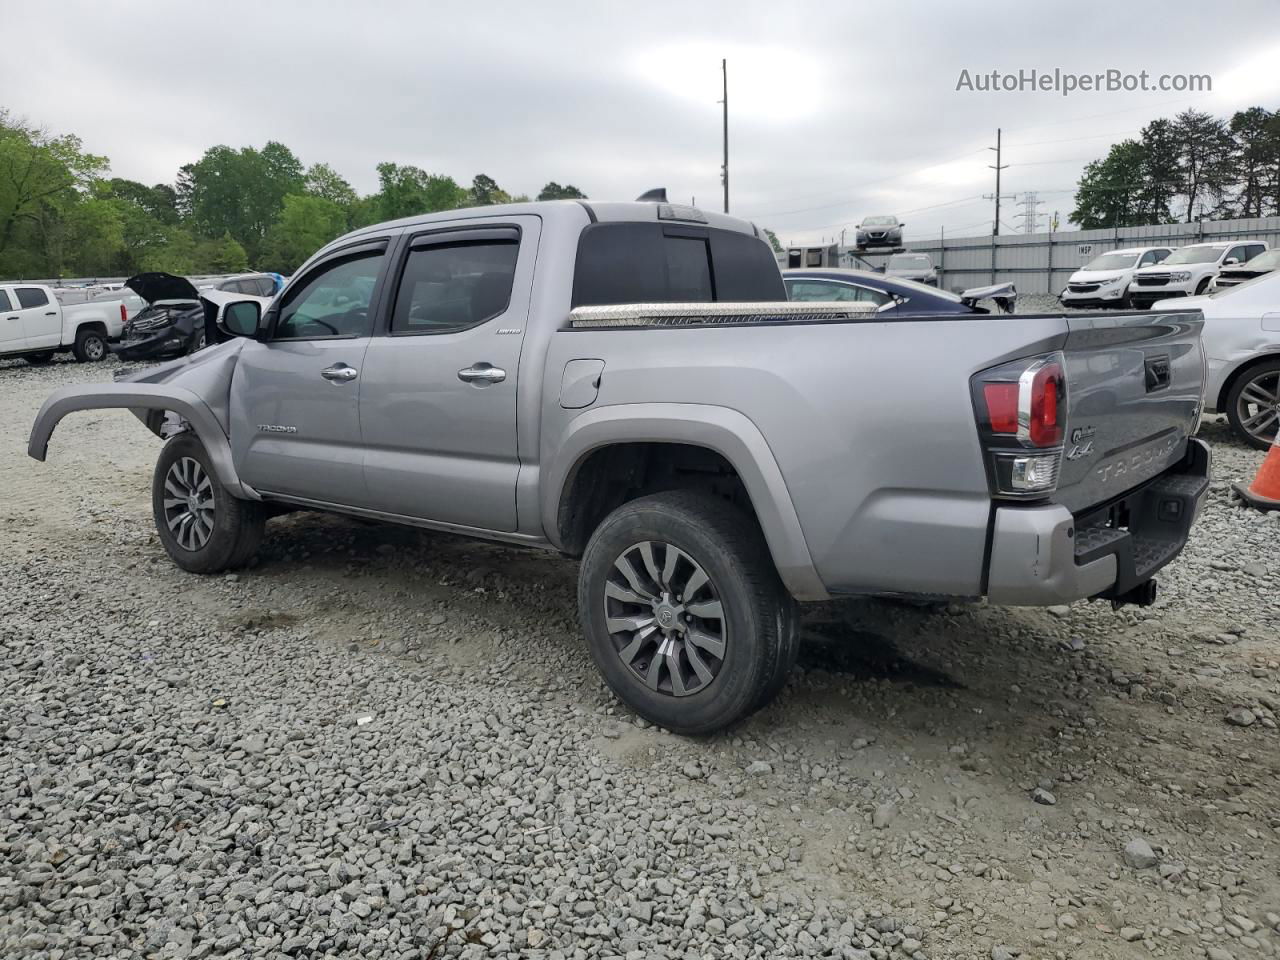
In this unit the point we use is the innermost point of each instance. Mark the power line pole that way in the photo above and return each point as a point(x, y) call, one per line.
point(995, 224)
point(995, 227)
point(724, 170)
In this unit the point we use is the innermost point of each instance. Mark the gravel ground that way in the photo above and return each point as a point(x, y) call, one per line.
point(384, 743)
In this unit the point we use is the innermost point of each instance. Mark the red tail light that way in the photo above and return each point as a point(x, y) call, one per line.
point(1047, 386)
point(124, 314)
point(1002, 406)
point(1021, 411)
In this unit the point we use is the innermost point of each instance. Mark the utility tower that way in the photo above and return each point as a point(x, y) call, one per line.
point(1030, 215)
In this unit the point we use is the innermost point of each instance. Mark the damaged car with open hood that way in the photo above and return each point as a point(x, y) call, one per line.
point(172, 324)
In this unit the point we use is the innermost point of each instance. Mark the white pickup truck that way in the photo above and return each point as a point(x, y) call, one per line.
point(34, 325)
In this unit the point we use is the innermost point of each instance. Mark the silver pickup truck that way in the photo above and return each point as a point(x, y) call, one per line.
point(623, 382)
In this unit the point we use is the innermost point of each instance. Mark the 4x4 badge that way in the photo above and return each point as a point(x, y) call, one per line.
point(1081, 443)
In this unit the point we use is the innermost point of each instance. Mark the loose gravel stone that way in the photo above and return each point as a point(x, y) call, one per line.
point(1241, 717)
point(1139, 855)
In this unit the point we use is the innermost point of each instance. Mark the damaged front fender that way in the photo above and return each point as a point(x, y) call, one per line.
point(196, 389)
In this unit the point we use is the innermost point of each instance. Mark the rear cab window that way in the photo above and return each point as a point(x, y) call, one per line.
point(663, 262)
point(30, 297)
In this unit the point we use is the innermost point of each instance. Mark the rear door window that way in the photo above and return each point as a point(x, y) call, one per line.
point(29, 297)
point(4, 301)
point(448, 287)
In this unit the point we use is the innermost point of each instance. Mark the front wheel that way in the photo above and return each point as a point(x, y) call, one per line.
point(684, 612)
point(90, 345)
point(204, 528)
point(1253, 405)
point(1202, 287)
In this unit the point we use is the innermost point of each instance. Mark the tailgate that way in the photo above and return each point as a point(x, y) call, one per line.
point(1135, 384)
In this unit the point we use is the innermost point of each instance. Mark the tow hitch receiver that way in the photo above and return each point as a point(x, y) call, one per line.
point(1143, 595)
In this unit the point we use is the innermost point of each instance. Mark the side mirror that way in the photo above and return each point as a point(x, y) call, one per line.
point(241, 318)
point(1230, 261)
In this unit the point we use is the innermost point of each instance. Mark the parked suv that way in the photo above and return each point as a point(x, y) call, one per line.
point(1104, 280)
point(1188, 271)
point(1264, 263)
point(625, 383)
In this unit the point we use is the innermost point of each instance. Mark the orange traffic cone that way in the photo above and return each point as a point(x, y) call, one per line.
point(1264, 492)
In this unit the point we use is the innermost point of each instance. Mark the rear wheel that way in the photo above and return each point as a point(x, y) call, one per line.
point(684, 612)
point(1253, 404)
point(39, 359)
point(90, 345)
point(204, 528)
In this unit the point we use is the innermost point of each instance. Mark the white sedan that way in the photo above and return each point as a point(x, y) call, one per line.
point(1242, 343)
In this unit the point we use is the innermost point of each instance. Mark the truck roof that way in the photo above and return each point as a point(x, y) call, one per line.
point(570, 211)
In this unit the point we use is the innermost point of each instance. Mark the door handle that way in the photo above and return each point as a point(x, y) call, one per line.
point(482, 373)
point(340, 373)
point(50, 313)
point(15, 318)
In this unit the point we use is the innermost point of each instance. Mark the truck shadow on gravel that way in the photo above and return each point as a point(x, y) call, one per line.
point(837, 647)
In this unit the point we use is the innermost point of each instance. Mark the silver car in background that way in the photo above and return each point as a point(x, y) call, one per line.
point(1241, 340)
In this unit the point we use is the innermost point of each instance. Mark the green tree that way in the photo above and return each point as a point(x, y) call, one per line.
point(221, 255)
point(485, 191)
point(175, 251)
point(323, 181)
point(159, 202)
point(553, 191)
point(406, 191)
point(39, 175)
point(773, 241)
point(306, 224)
point(1256, 154)
point(1160, 173)
point(240, 192)
point(1204, 159)
point(1107, 195)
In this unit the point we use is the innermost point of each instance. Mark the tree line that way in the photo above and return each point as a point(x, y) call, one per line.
point(1193, 166)
point(63, 215)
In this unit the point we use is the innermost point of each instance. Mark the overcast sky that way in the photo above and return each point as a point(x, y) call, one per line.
point(836, 110)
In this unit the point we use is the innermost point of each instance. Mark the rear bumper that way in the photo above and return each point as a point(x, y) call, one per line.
point(1046, 555)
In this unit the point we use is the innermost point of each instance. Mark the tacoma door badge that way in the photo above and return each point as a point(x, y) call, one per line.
point(276, 428)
